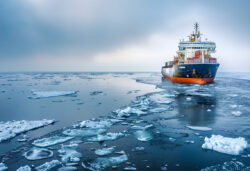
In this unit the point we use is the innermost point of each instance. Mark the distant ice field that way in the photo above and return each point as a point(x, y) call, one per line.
point(123, 121)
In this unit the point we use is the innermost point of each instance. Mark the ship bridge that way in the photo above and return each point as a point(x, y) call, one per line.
point(197, 45)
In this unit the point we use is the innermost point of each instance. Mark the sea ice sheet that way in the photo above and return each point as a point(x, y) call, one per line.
point(24, 168)
point(199, 128)
point(83, 132)
point(68, 153)
point(45, 142)
point(104, 151)
point(11, 128)
point(143, 135)
point(38, 153)
point(233, 146)
point(48, 165)
point(107, 137)
point(126, 112)
point(47, 94)
point(105, 162)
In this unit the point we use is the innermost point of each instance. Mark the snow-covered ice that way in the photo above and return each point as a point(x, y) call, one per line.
point(10, 129)
point(127, 111)
point(3, 167)
point(47, 94)
point(105, 162)
point(199, 128)
point(87, 132)
point(237, 113)
point(24, 168)
point(107, 137)
point(38, 153)
point(104, 151)
point(67, 168)
point(68, 153)
point(45, 142)
point(233, 146)
point(143, 135)
point(97, 124)
point(48, 165)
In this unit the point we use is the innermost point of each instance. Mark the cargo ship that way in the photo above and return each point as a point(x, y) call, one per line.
point(194, 62)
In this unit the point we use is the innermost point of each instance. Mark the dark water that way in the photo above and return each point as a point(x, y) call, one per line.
point(223, 106)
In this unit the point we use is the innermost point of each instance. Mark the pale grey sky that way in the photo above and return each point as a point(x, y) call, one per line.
point(117, 35)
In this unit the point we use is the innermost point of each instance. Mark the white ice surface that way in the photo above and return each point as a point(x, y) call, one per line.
point(199, 128)
point(38, 153)
point(107, 137)
point(83, 132)
point(24, 168)
point(11, 128)
point(48, 165)
point(126, 112)
point(158, 110)
point(67, 168)
point(233, 146)
point(69, 154)
point(143, 135)
point(237, 113)
point(104, 151)
point(45, 142)
point(105, 162)
point(3, 167)
point(47, 94)
point(97, 124)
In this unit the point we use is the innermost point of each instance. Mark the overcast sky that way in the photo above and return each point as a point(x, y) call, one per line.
point(117, 35)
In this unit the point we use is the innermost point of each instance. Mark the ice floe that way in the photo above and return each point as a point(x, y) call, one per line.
point(87, 132)
point(227, 166)
point(45, 142)
point(236, 113)
point(142, 127)
point(97, 124)
point(104, 151)
point(233, 146)
point(47, 94)
point(38, 153)
point(127, 111)
point(158, 110)
point(48, 165)
point(107, 137)
point(143, 135)
point(68, 153)
point(199, 128)
point(67, 168)
point(24, 168)
point(11, 128)
point(106, 162)
point(3, 167)
point(129, 168)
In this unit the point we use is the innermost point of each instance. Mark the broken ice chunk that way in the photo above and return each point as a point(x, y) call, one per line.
point(11, 128)
point(199, 128)
point(38, 153)
point(125, 112)
point(97, 124)
point(104, 151)
point(3, 167)
point(48, 94)
point(158, 110)
point(233, 146)
point(236, 113)
point(48, 165)
point(108, 137)
point(231, 165)
point(83, 132)
point(24, 168)
point(68, 153)
point(105, 162)
point(142, 127)
point(129, 168)
point(45, 142)
point(67, 168)
point(143, 135)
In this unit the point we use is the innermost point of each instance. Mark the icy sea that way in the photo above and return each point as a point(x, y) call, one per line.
point(123, 121)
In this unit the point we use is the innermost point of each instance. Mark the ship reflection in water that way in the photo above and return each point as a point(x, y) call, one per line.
point(122, 121)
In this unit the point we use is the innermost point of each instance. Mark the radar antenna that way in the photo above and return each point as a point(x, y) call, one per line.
point(196, 28)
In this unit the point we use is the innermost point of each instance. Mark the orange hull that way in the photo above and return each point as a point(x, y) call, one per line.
point(189, 80)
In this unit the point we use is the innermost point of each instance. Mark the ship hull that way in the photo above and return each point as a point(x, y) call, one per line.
point(190, 73)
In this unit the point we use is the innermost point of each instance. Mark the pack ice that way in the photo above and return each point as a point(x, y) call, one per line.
point(104, 151)
point(45, 142)
point(24, 168)
point(233, 146)
point(68, 153)
point(11, 128)
point(47, 94)
point(105, 162)
point(38, 153)
point(48, 165)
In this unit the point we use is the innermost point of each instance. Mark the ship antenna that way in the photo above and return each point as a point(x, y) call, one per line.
point(196, 28)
